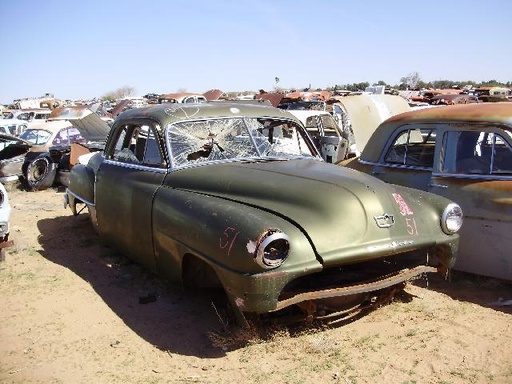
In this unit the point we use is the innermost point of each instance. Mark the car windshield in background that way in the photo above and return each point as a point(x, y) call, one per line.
point(236, 138)
point(36, 136)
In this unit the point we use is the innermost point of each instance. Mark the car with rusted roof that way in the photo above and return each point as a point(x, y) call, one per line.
point(462, 152)
point(453, 98)
point(236, 196)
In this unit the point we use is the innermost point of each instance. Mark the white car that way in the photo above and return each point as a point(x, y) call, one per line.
point(18, 120)
point(5, 216)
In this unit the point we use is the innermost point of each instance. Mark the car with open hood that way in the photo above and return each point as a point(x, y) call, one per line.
point(462, 152)
point(236, 196)
point(56, 144)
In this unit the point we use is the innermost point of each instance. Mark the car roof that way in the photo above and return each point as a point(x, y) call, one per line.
point(52, 126)
point(500, 112)
point(484, 113)
point(174, 112)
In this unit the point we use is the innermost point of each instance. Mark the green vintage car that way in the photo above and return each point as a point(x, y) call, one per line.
point(235, 195)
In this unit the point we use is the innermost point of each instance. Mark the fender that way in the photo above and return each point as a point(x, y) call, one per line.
point(81, 184)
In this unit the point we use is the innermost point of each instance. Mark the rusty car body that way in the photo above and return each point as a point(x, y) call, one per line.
point(453, 98)
point(236, 196)
point(462, 152)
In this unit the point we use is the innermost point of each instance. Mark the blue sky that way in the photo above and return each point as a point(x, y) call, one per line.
point(88, 48)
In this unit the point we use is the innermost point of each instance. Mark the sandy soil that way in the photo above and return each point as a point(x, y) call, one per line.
point(74, 311)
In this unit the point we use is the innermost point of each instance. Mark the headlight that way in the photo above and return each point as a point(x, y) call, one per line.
point(272, 249)
point(452, 218)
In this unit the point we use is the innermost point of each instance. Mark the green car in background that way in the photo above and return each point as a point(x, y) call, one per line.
point(235, 195)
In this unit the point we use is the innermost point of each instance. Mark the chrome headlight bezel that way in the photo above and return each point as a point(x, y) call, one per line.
point(452, 219)
point(272, 249)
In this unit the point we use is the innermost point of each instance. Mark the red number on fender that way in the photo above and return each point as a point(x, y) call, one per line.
point(228, 239)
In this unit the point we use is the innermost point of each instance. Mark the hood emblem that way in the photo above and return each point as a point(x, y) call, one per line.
point(384, 221)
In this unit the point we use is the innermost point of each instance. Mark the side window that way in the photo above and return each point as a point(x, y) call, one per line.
point(66, 136)
point(329, 125)
point(477, 152)
point(414, 147)
point(313, 130)
point(137, 144)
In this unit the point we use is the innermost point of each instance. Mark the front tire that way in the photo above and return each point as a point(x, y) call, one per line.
point(41, 173)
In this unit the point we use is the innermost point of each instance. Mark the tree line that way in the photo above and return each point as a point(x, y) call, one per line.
point(413, 81)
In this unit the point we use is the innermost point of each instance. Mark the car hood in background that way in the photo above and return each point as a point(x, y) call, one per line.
point(90, 125)
point(366, 112)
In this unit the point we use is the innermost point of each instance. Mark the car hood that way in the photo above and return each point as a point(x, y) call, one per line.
point(6, 138)
point(333, 206)
point(90, 125)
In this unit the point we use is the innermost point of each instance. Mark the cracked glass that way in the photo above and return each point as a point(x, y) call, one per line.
point(257, 139)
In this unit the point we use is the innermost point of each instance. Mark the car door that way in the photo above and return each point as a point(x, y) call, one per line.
point(333, 142)
point(126, 182)
point(408, 157)
point(476, 172)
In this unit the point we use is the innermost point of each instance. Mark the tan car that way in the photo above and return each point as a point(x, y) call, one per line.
point(462, 152)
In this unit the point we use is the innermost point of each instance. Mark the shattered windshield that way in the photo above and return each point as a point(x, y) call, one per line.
point(236, 138)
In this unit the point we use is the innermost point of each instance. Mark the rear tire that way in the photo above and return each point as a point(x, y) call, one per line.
point(41, 173)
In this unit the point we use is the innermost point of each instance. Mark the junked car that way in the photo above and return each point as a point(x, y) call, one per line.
point(330, 140)
point(57, 144)
point(12, 156)
point(5, 218)
point(236, 196)
point(462, 152)
point(44, 153)
point(17, 120)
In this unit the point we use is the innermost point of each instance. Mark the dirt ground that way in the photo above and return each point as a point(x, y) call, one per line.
point(74, 311)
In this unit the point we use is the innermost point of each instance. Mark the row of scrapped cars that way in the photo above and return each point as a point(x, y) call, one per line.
point(44, 152)
point(236, 196)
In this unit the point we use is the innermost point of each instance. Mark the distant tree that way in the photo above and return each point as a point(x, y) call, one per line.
point(491, 83)
point(119, 93)
point(411, 81)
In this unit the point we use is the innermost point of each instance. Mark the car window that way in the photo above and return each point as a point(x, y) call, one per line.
point(68, 135)
point(23, 116)
point(477, 152)
point(137, 144)
point(329, 125)
point(231, 138)
point(36, 136)
point(413, 147)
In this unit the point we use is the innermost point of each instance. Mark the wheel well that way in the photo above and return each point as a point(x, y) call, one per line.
point(196, 273)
